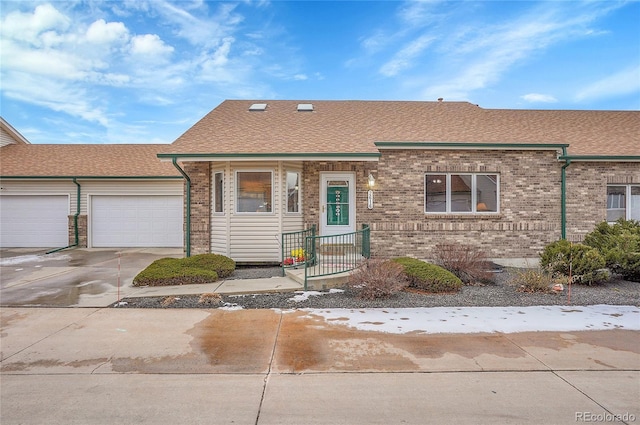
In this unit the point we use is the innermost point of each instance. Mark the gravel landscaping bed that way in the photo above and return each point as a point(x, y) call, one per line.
point(498, 294)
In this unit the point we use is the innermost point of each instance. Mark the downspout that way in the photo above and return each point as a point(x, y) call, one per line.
point(563, 194)
point(187, 236)
point(75, 221)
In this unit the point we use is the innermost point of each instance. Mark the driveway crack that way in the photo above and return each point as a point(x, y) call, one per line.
point(266, 378)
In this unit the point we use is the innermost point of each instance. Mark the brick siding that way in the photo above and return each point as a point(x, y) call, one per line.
point(587, 193)
point(529, 215)
point(200, 175)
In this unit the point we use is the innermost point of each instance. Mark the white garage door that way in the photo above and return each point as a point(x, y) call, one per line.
point(34, 221)
point(136, 221)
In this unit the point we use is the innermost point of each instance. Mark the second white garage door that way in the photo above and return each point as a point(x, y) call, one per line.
point(136, 221)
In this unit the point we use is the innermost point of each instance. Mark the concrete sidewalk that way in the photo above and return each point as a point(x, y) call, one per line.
point(126, 366)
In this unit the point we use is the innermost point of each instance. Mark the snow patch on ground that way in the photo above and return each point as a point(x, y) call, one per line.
point(485, 319)
point(304, 295)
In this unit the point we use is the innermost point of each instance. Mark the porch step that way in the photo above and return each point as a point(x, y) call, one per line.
point(318, 283)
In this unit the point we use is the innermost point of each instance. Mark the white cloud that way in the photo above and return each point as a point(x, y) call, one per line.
point(404, 58)
point(621, 83)
point(149, 45)
point(29, 26)
point(482, 56)
point(101, 32)
point(539, 98)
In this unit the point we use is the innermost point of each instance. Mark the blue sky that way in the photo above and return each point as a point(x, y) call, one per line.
point(138, 71)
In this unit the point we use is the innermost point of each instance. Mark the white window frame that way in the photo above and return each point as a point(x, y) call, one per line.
point(237, 189)
point(628, 200)
point(215, 193)
point(286, 190)
point(474, 194)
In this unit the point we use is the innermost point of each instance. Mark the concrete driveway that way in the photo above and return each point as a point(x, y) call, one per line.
point(199, 366)
point(75, 277)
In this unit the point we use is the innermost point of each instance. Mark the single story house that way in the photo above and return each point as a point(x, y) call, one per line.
point(54, 196)
point(417, 173)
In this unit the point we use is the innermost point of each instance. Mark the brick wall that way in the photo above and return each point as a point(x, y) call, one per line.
point(82, 230)
point(200, 175)
point(587, 193)
point(529, 215)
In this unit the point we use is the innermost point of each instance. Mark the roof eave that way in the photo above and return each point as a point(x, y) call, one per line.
point(470, 146)
point(332, 156)
point(600, 158)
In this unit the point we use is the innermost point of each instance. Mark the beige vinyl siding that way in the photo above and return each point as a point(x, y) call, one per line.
point(252, 237)
point(292, 222)
point(42, 187)
point(91, 187)
point(5, 138)
point(128, 187)
point(220, 221)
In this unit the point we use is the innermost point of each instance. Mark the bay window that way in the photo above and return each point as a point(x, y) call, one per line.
point(254, 191)
point(293, 192)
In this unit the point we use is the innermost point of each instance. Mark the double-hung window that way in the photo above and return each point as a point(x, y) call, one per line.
point(623, 202)
point(452, 193)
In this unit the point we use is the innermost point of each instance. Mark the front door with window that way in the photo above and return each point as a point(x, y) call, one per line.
point(337, 203)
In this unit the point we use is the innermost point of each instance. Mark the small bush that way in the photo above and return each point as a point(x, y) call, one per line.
point(465, 261)
point(222, 265)
point(619, 243)
point(428, 277)
point(378, 279)
point(185, 271)
point(586, 263)
point(532, 280)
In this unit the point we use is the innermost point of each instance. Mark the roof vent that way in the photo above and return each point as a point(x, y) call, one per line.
point(258, 107)
point(305, 107)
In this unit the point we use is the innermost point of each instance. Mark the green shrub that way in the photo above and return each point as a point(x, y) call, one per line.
point(619, 243)
point(204, 268)
point(428, 277)
point(586, 263)
point(377, 279)
point(222, 265)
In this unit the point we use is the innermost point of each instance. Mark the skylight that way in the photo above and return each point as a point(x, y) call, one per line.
point(258, 107)
point(305, 107)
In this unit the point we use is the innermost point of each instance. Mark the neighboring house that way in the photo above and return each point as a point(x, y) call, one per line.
point(9, 135)
point(506, 181)
point(52, 196)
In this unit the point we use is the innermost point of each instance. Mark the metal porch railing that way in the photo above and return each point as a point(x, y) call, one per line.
point(333, 254)
point(293, 247)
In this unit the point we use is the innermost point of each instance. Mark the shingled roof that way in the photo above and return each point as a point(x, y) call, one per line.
point(354, 127)
point(87, 160)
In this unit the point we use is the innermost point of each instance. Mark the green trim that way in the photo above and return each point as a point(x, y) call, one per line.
point(96, 177)
point(563, 196)
point(602, 158)
point(270, 155)
point(472, 145)
point(75, 221)
point(188, 201)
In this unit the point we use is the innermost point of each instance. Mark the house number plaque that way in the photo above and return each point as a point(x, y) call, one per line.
point(370, 199)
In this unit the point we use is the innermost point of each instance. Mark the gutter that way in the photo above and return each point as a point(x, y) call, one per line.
point(187, 237)
point(75, 220)
point(563, 194)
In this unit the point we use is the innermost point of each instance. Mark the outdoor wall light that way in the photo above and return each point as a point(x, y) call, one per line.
point(372, 180)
